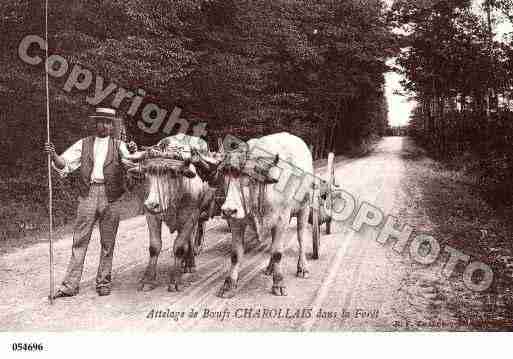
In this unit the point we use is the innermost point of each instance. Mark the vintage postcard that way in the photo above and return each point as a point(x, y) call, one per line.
point(248, 166)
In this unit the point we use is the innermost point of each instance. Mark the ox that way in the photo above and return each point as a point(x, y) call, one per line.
point(267, 181)
point(178, 197)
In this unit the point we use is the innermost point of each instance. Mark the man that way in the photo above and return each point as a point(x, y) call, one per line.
point(101, 185)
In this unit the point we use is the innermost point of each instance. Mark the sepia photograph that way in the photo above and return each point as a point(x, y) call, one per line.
point(285, 166)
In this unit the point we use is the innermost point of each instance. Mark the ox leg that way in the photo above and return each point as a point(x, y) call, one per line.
point(181, 250)
point(229, 286)
point(176, 282)
point(190, 256)
point(279, 287)
point(189, 264)
point(189, 261)
point(302, 264)
point(269, 269)
point(149, 280)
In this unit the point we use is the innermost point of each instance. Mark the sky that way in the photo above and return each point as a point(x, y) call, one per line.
point(399, 108)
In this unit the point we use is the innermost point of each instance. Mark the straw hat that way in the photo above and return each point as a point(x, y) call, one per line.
point(104, 113)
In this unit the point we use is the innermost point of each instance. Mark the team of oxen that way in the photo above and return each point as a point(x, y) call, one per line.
point(265, 182)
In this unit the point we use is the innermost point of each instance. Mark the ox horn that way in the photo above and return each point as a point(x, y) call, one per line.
point(268, 169)
point(206, 166)
point(273, 174)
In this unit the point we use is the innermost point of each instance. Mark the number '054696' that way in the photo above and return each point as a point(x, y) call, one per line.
point(27, 347)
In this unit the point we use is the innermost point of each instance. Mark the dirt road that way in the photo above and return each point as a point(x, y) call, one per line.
point(357, 284)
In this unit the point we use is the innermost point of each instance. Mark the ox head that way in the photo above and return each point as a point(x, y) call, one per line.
point(244, 179)
point(164, 179)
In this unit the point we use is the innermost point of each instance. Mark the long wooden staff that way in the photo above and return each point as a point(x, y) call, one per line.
point(50, 191)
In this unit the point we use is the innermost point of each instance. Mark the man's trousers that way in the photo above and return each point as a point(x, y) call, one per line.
point(91, 209)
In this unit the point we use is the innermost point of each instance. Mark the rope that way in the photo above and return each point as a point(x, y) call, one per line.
point(243, 198)
point(163, 183)
point(159, 191)
point(49, 160)
point(261, 198)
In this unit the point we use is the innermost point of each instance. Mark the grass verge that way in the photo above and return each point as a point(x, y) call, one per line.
point(463, 217)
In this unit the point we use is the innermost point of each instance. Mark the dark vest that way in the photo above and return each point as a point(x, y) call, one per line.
point(112, 169)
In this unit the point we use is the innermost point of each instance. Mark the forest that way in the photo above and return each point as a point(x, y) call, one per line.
point(245, 67)
point(459, 70)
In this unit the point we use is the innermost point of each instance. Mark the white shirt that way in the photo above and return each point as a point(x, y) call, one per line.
point(100, 148)
point(73, 155)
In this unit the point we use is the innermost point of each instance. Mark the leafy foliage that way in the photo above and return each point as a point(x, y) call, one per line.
point(461, 79)
point(315, 68)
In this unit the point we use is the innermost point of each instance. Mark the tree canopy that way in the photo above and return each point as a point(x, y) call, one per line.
point(461, 76)
point(318, 64)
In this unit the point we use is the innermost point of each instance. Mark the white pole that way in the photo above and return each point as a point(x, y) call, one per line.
point(50, 191)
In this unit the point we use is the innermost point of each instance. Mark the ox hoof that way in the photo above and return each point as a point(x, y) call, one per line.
point(303, 273)
point(228, 288)
point(189, 269)
point(189, 265)
point(146, 287)
point(176, 287)
point(279, 290)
